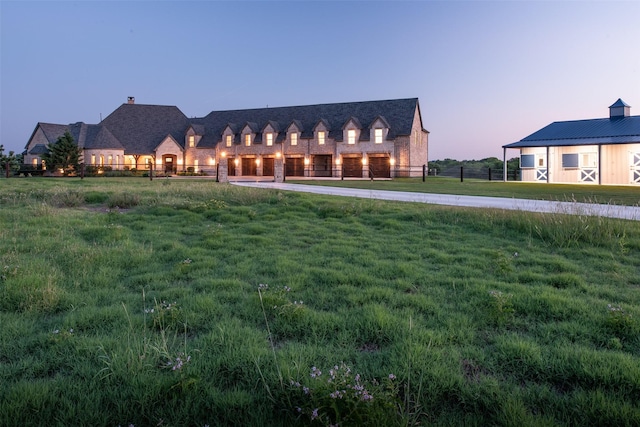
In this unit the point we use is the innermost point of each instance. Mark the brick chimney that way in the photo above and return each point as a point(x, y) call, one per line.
point(131, 100)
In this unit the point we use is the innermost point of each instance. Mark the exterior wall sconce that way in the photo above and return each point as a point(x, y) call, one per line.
point(392, 161)
point(306, 161)
point(159, 161)
point(278, 154)
point(223, 154)
point(236, 161)
point(364, 161)
point(212, 161)
point(258, 161)
point(179, 161)
point(338, 161)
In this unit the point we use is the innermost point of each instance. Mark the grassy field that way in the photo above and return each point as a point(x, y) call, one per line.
point(191, 303)
point(615, 195)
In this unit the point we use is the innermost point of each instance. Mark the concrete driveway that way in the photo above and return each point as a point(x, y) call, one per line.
point(611, 211)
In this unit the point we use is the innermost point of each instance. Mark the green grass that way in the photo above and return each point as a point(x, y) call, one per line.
point(607, 194)
point(128, 301)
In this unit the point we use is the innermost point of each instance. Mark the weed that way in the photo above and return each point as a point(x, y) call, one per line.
point(500, 307)
point(620, 322)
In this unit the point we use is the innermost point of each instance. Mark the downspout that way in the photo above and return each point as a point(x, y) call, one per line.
point(504, 164)
point(548, 167)
point(599, 164)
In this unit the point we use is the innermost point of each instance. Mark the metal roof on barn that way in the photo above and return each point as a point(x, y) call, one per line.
point(619, 130)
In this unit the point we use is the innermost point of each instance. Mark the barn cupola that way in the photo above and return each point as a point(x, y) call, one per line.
point(619, 109)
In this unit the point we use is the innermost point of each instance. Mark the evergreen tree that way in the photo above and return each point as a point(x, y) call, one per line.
point(63, 154)
point(13, 159)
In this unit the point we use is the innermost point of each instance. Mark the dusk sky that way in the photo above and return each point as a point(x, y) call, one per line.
point(486, 73)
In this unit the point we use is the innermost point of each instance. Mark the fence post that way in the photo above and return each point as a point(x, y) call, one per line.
point(461, 173)
point(151, 171)
point(81, 170)
point(424, 172)
point(6, 166)
point(489, 174)
point(217, 168)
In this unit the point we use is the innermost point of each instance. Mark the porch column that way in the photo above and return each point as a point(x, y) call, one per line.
point(278, 169)
point(223, 170)
point(504, 164)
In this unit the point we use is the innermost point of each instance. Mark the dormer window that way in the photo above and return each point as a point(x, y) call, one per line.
point(192, 141)
point(269, 139)
point(378, 136)
point(321, 137)
point(229, 140)
point(247, 140)
point(294, 139)
point(351, 137)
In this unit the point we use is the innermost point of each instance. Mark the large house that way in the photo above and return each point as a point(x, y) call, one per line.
point(595, 151)
point(358, 139)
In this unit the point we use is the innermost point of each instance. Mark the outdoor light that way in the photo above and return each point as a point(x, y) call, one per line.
point(306, 161)
point(364, 161)
point(338, 161)
point(223, 154)
point(392, 161)
point(258, 161)
point(159, 161)
point(278, 154)
point(236, 161)
point(212, 161)
point(179, 161)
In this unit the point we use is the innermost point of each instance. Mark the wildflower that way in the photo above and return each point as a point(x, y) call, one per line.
point(57, 331)
point(287, 289)
point(392, 377)
point(71, 330)
point(305, 390)
point(314, 414)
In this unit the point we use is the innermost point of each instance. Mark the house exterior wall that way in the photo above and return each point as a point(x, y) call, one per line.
point(418, 146)
point(37, 138)
point(115, 159)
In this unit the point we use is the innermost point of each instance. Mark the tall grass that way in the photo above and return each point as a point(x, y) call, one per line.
point(148, 310)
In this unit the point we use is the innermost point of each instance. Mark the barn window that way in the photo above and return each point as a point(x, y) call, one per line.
point(527, 160)
point(570, 161)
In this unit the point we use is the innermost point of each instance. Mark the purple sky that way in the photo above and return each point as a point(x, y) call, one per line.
point(486, 73)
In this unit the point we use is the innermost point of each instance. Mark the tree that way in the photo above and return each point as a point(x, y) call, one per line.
point(63, 154)
point(13, 159)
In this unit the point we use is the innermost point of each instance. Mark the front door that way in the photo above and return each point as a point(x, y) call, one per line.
point(169, 161)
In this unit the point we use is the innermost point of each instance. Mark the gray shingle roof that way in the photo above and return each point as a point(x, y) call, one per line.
point(622, 130)
point(398, 113)
point(141, 128)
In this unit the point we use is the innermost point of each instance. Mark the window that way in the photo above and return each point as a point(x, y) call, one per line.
point(540, 161)
point(588, 160)
point(101, 159)
point(351, 137)
point(378, 136)
point(269, 139)
point(110, 160)
point(229, 141)
point(569, 160)
point(192, 141)
point(527, 160)
point(321, 136)
point(93, 159)
point(294, 139)
point(35, 161)
point(247, 140)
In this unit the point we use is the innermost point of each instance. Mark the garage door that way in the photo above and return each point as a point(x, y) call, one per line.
point(249, 167)
point(294, 166)
point(379, 167)
point(231, 167)
point(267, 166)
point(352, 167)
point(322, 165)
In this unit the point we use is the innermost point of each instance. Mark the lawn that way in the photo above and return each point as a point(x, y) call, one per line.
point(603, 194)
point(193, 303)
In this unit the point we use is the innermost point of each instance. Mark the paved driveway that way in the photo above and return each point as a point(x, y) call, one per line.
point(624, 212)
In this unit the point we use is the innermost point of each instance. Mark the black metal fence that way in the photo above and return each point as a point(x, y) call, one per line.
point(488, 174)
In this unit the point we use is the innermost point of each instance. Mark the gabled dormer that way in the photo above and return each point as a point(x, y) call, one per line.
point(248, 133)
point(351, 131)
point(270, 132)
point(379, 130)
point(293, 132)
point(321, 131)
point(230, 135)
point(193, 135)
